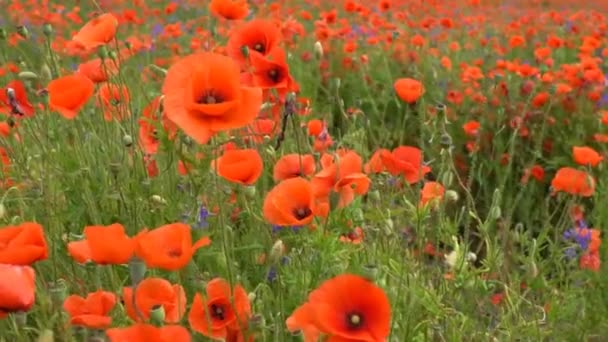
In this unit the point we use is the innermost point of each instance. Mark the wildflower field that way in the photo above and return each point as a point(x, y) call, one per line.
point(303, 170)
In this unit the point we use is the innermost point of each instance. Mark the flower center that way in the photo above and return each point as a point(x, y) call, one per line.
point(210, 97)
point(302, 213)
point(174, 253)
point(217, 312)
point(354, 321)
point(259, 47)
point(274, 75)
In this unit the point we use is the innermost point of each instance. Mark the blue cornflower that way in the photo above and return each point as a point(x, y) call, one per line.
point(201, 220)
point(276, 229)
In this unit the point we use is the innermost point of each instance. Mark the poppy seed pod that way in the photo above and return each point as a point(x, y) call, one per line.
point(157, 314)
point(137, 270)
point(47, 30)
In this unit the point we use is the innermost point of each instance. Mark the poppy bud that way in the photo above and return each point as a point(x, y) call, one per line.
point(137, 270)
point(157, 314)
point(27, 75)
point(3, 34)
point(127, 140)
point(102, 52)
point(337, 82)
point(277, 251)
point(47, 30)
point(45, 72)
point(23, 32)
point(375, 195)
point(58, 292)
point(452, 196)
point(318, 50)
point(251, 296)
point(532, 269)
point(250, 192)
point(112, 54)
point(2, 210)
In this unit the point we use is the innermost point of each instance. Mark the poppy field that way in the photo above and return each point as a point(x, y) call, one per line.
point(303, 170)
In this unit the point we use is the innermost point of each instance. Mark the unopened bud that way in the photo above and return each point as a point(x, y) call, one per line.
point(2, 210)
point(250, 192)
point(137, 270)
point(127, 140)
point(452, 196)
point(27, 75)
point(102, 52)
point(23, 32)
point(45, 73)
point(277, 251)
point(3, 34)
point(47, 29)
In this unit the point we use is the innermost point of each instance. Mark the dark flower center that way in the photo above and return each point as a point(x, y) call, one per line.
point(174, 253)
point(217, 312)
point(302, 213)
point(259, 47)
point(114, 102)
point(354, 321)
point(210, 97)
point(274, 75)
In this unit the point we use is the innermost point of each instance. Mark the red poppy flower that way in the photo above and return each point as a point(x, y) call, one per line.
point(23, 244)
point(203, 96)
point(221, 312)
point(334, 311)
point(17, 288)
point(92, 311)
point(148, 333)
